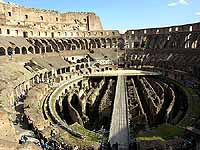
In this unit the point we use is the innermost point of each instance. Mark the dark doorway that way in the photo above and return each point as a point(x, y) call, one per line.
point(25, 34)
point(52, 35)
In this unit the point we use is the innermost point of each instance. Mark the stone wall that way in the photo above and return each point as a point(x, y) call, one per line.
point(22, 20)
point(176, 37)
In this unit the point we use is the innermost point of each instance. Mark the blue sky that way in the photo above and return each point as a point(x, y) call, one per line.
point(127, 14)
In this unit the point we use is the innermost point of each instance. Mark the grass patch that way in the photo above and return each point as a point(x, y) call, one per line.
point(153, 138)
point(193, 100)
point(193, 110)
point(90, 136)
point(162, 133)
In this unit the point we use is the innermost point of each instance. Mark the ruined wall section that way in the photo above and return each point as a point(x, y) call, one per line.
point(94, 23)
point(49, 20)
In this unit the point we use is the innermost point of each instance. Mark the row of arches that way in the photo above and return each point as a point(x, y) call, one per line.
point(173, 40)
point(15, 50)
point(39, 46)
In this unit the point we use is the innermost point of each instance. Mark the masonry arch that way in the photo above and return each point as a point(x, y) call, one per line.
point(82, 44)
point(86, 43)
point(59, 44)
point(121, 43)
point(37, 50)
point(17, 50)
point(92, 43)
point(38, 43)
point(77, 67)
point(78, 61)
point(44, 41)
point(66, 45)
point(24, 50)
point(108, 43)
point(82, 66)
point(114, 43)
point(10, 51)
point(98, 42)
point(43, 49)
point(103, 42)
point(187, 41)
point(2, 51)
point(53, 45)
point(30, 49)
point(73, 46)
point(49, 49)
point(76, 43)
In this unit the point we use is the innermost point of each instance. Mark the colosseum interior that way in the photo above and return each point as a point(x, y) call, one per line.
point(66, 83)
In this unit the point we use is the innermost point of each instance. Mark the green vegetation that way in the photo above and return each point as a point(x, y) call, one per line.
point(163, 132)
point(167, 131)
point(90, 136)
point(193, 111)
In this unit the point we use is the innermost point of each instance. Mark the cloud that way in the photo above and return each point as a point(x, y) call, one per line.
point(179, 2)
point(183, 2)
point(172, 4)
point(197, 13)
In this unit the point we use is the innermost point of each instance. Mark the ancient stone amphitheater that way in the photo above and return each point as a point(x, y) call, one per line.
point(65, 83)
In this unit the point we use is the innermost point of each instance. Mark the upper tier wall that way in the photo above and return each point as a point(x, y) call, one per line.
point(165, 30)
point(49, 20)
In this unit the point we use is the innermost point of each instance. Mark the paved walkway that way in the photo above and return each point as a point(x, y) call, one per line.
point(119, 126)
point(124, 73)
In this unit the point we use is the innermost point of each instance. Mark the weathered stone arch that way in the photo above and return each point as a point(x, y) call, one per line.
point(36, 79)
point(43, 50)
point(53, 45)
point(44, 41)
point(121, 43)
point(45, 76)
point(82, 44)
point(59, 44)
point(38, 43)
point(10, 51)
point(69, 41)
point(108, 43)
point(92, 43)
point(78, 61)
point(17, 50)
point(49, 49)
point(30, 49)
point(82, 66)
point(73, 47)
point(194, 44)
point(86, 43)
point(24, 50)
point(30, 41)
point(98, 43)
point(2, 51)
point(187, 41)
point(37, 50)
point(76, 43)
point(198, 42)
point(77, 67)
point(103, 42)
point(114, 43)
point(82, 59)
point(66, 45)
point(194, 41)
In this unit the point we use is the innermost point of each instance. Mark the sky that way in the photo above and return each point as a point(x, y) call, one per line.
point(127, 14)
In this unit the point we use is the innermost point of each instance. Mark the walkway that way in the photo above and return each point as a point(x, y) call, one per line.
point(124, 73)
point(119, 132)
